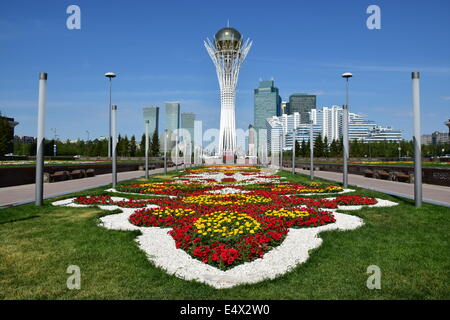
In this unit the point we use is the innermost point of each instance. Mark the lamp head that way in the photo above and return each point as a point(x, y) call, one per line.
point(110, 75)
point(347, 75)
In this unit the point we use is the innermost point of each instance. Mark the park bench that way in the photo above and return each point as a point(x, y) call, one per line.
point(59, 176)
point(368, 173)
point(79, 173)
point(90, 172)
point(381, 174)
point(402, 177)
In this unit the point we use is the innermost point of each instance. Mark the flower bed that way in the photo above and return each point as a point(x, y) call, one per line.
point(164, 188)
point(253, 231)
point(106, 200)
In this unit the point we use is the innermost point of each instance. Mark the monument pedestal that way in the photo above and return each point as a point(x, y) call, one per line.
point(229, 157)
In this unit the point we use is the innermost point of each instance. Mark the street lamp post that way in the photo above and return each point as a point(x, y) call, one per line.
point(416, 140)
point(147, 124)
point(176, 150)
point(311, 150)
point(293, 151)
point(39, 185)
point(281, 150)
point(110, 75)
point(114, 145)
point(346, 75)
point(165, 151)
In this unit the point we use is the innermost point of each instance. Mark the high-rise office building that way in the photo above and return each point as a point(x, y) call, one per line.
point(380, 133)
point(330, 119)
point(284, 107)
point(267, 103)
point(172, 121)
point(152, 115)
point(187, 123)
point(302, 103)
point(436, 138)
point(251, 141)
point(281, 129)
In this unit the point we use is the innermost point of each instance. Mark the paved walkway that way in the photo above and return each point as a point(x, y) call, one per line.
point(430, 193)
point(25, 193)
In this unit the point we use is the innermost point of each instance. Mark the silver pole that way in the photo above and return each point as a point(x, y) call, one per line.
point(293, 152)
point(416, 140)
point(110, 119)
point(147, 123)
point(114, 145)
point(281, 151)
point(176, 150)
point(184, 154)
point(311, 151)
point(345, 146)
point(39, 185)
point(165, 151)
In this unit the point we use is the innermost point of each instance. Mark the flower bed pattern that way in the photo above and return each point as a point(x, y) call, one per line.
point(226, 227)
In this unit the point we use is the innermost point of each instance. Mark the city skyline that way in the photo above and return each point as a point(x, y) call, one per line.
point(77, 59)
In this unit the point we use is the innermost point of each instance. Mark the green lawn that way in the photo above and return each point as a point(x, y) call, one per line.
point(411, 246)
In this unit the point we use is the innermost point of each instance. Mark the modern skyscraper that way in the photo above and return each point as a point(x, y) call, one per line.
point(251, 139)
point(152, 115)
point(172, 120)
point(267, 103)
point(302, 103)
point(227, 52)
point(284, 107)
point(187, 123)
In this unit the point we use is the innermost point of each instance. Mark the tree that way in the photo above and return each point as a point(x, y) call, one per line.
point(155, 144)
point(318, 146)
point(297, 148)
point(326, 150)
point(125, 147)
point(5, 133)
point(133, 146)
point(334, 148)
point(142, 146)
point(303, 150)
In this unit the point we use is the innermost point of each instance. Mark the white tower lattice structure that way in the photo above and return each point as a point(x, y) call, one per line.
point(227, 52)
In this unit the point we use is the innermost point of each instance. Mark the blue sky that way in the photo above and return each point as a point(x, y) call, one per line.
point(156, 49)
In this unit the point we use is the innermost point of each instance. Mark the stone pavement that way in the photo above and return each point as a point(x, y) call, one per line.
point(430, 193)
point(25, 193)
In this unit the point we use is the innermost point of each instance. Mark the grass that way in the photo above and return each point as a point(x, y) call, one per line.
point(37, 244)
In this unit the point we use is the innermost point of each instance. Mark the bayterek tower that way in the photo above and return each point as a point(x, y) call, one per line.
point(227, 52)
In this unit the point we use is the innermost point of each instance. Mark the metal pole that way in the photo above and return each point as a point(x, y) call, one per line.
point(293, 152)
point(147, 123)
point(345, 146)
point(281, 151)
point(39, 186)
point(176, 150)
point(184, 154)
point(416, 140)
point(110, 119)
point(311, 151)
point(165, 151)
point(114, 145)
